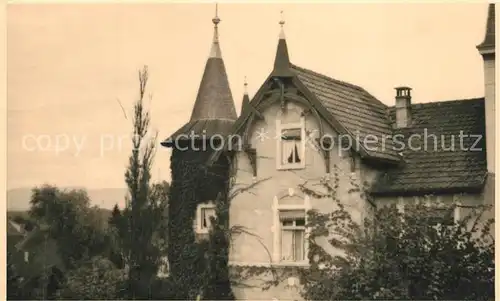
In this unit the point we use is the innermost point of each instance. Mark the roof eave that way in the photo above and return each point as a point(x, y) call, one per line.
point(486, 49)
point(427, 191)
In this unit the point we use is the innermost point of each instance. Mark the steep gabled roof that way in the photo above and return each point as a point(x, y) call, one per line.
point(347, 107)
point(430, 169)
point(356, 109)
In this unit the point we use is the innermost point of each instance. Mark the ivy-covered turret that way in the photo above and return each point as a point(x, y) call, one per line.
point(199, 263)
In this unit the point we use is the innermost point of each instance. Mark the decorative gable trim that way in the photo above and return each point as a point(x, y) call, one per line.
point(292, 89)
point(252, 157)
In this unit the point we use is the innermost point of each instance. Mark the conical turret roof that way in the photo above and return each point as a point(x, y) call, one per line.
point(214, 112)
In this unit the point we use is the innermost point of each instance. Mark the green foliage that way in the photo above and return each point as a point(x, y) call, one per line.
point(95, 279)
point(217, 284)
point(138, 231)
point(199, 266)
point(14, 291)
point(411, 254)
point(67, 218)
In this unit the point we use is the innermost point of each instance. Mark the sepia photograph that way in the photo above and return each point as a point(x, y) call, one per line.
point(250, 151)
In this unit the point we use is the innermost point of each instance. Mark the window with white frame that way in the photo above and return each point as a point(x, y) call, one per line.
point(292, 235)
point(291, 145)
point(441, 216)
point(204, 216)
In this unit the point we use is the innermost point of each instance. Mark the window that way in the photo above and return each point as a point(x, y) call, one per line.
point(439, 209)
point(291, 145)
point(204, 215)
point(26, 256)
point(292, 238)
point(441, 216)
point(163, 270)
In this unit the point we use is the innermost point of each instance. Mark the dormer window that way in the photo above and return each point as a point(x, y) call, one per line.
point(290, 145)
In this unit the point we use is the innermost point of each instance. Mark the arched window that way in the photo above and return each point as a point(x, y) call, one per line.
point(290, 233)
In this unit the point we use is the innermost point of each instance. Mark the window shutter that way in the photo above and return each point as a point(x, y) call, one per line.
point(287, 215)
point(291, 134)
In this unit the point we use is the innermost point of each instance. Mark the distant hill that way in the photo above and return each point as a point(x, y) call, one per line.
point(18, 199)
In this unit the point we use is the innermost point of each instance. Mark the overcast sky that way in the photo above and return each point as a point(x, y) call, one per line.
point(68, 65)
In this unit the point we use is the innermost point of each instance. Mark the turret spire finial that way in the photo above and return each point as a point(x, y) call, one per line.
point(215, 51)
point(245, 84)
point(282, 22)
point(216, 19)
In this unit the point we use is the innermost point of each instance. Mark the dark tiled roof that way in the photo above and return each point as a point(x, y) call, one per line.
point(356, 109)
point(214, 112)
point(489, 38)
point(204, 128)
point(214, 99)
point(434, 167)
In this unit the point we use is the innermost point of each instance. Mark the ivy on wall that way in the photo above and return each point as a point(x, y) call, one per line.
point(198, 268)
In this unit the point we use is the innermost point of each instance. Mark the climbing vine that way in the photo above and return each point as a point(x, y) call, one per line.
point(198, 267)
point(320, 224)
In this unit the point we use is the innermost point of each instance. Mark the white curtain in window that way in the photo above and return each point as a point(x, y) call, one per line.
point(287, 245)
point(298, 245)
point(292, 244)
point(288, 147)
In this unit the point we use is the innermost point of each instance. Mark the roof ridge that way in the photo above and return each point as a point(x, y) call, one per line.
point(327, 77)
point(443, 102)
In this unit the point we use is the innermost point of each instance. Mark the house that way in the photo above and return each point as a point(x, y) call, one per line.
point(41, 266)
point(15, 233)
point(302, 128)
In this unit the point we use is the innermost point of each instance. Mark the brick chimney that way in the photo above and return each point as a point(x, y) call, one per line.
point(487, 51)
point(403, 107)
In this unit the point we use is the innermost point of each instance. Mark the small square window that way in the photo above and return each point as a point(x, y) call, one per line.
point(204, 215)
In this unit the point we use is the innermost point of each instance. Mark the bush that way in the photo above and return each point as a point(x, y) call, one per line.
point(407, 255)
point(96, 279)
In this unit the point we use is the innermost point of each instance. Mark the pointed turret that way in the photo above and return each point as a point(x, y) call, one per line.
point(214, 100)
point(214, 112)
point(282, 60)
point(488, 44)
point(246, 99)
